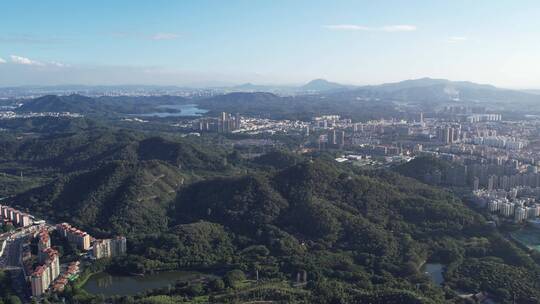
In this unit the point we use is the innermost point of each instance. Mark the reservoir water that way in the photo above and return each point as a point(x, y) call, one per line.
point(109, 285)
point(185, 110)
point(435, 272)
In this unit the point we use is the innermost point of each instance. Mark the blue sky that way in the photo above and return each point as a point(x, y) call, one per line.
point(272, 42)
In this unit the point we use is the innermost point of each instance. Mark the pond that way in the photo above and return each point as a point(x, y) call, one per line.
point(435, 272)
point(109, 285)
point(177, 110)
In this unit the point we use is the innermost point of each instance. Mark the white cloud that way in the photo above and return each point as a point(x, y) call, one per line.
point(456, 39)
point(58, 64)
point(386, 28)
point(398, 28)
point(2, 60)
point(164, 36)
point(27, 61)
point(23, 60)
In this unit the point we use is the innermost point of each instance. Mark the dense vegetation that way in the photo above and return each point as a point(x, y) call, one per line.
point(48, 125)
point(102, 106)
point(420, 166)
point(300, 107)
point(69, 152)
point(309, 229)
point(7, 295)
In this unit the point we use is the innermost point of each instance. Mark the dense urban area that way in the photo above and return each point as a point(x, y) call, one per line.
point(397, 194)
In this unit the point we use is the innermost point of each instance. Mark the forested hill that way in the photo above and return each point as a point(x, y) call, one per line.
point(429, 90)
point(101, 106)
point(110, 181)
point(303, 107)
point(119, 196)
point(50, 125)
point(361, 237)
point(319, 203)
point(72, 103)
point(366, 236)
point(84, 150)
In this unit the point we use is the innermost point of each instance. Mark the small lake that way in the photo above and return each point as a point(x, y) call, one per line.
point(177, 110)
point(110, 285)
point(528, 236)
point(435, 272)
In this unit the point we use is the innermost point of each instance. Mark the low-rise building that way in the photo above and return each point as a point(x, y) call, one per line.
point(70, 274)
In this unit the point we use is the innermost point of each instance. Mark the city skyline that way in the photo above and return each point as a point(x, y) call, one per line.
point(204, 43)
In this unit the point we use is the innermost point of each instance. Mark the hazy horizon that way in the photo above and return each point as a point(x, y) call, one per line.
point(204, 43)
point(217, 84)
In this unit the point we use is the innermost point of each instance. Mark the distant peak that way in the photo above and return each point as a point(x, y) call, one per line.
point(319, 80)
point(320, 84)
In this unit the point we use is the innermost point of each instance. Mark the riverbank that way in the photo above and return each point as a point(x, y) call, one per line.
point(83, 278)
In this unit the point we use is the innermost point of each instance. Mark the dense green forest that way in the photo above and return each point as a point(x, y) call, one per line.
point(184, 203)
point(101, 106)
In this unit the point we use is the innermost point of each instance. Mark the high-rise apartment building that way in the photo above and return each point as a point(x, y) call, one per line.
point(80, 238)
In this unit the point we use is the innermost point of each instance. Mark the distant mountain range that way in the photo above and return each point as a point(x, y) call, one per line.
point(305, 98)
point(532, 91)
point(440, 90)
point(423, 90)
point(314, 86)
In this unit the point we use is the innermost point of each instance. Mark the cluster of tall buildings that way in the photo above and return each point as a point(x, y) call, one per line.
point(226, 123)
point(336, 138)
point(483, 117)
point(47, 275)
point(455, 175)
point(502, 142)
point(477, 172)
point(449, 134)
point(15, 216)
point(508, 205)
point(510, 181)
point(108, 248)
point(49, 265)
point(457, 110)
point(75, 236)
point(329, 121)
